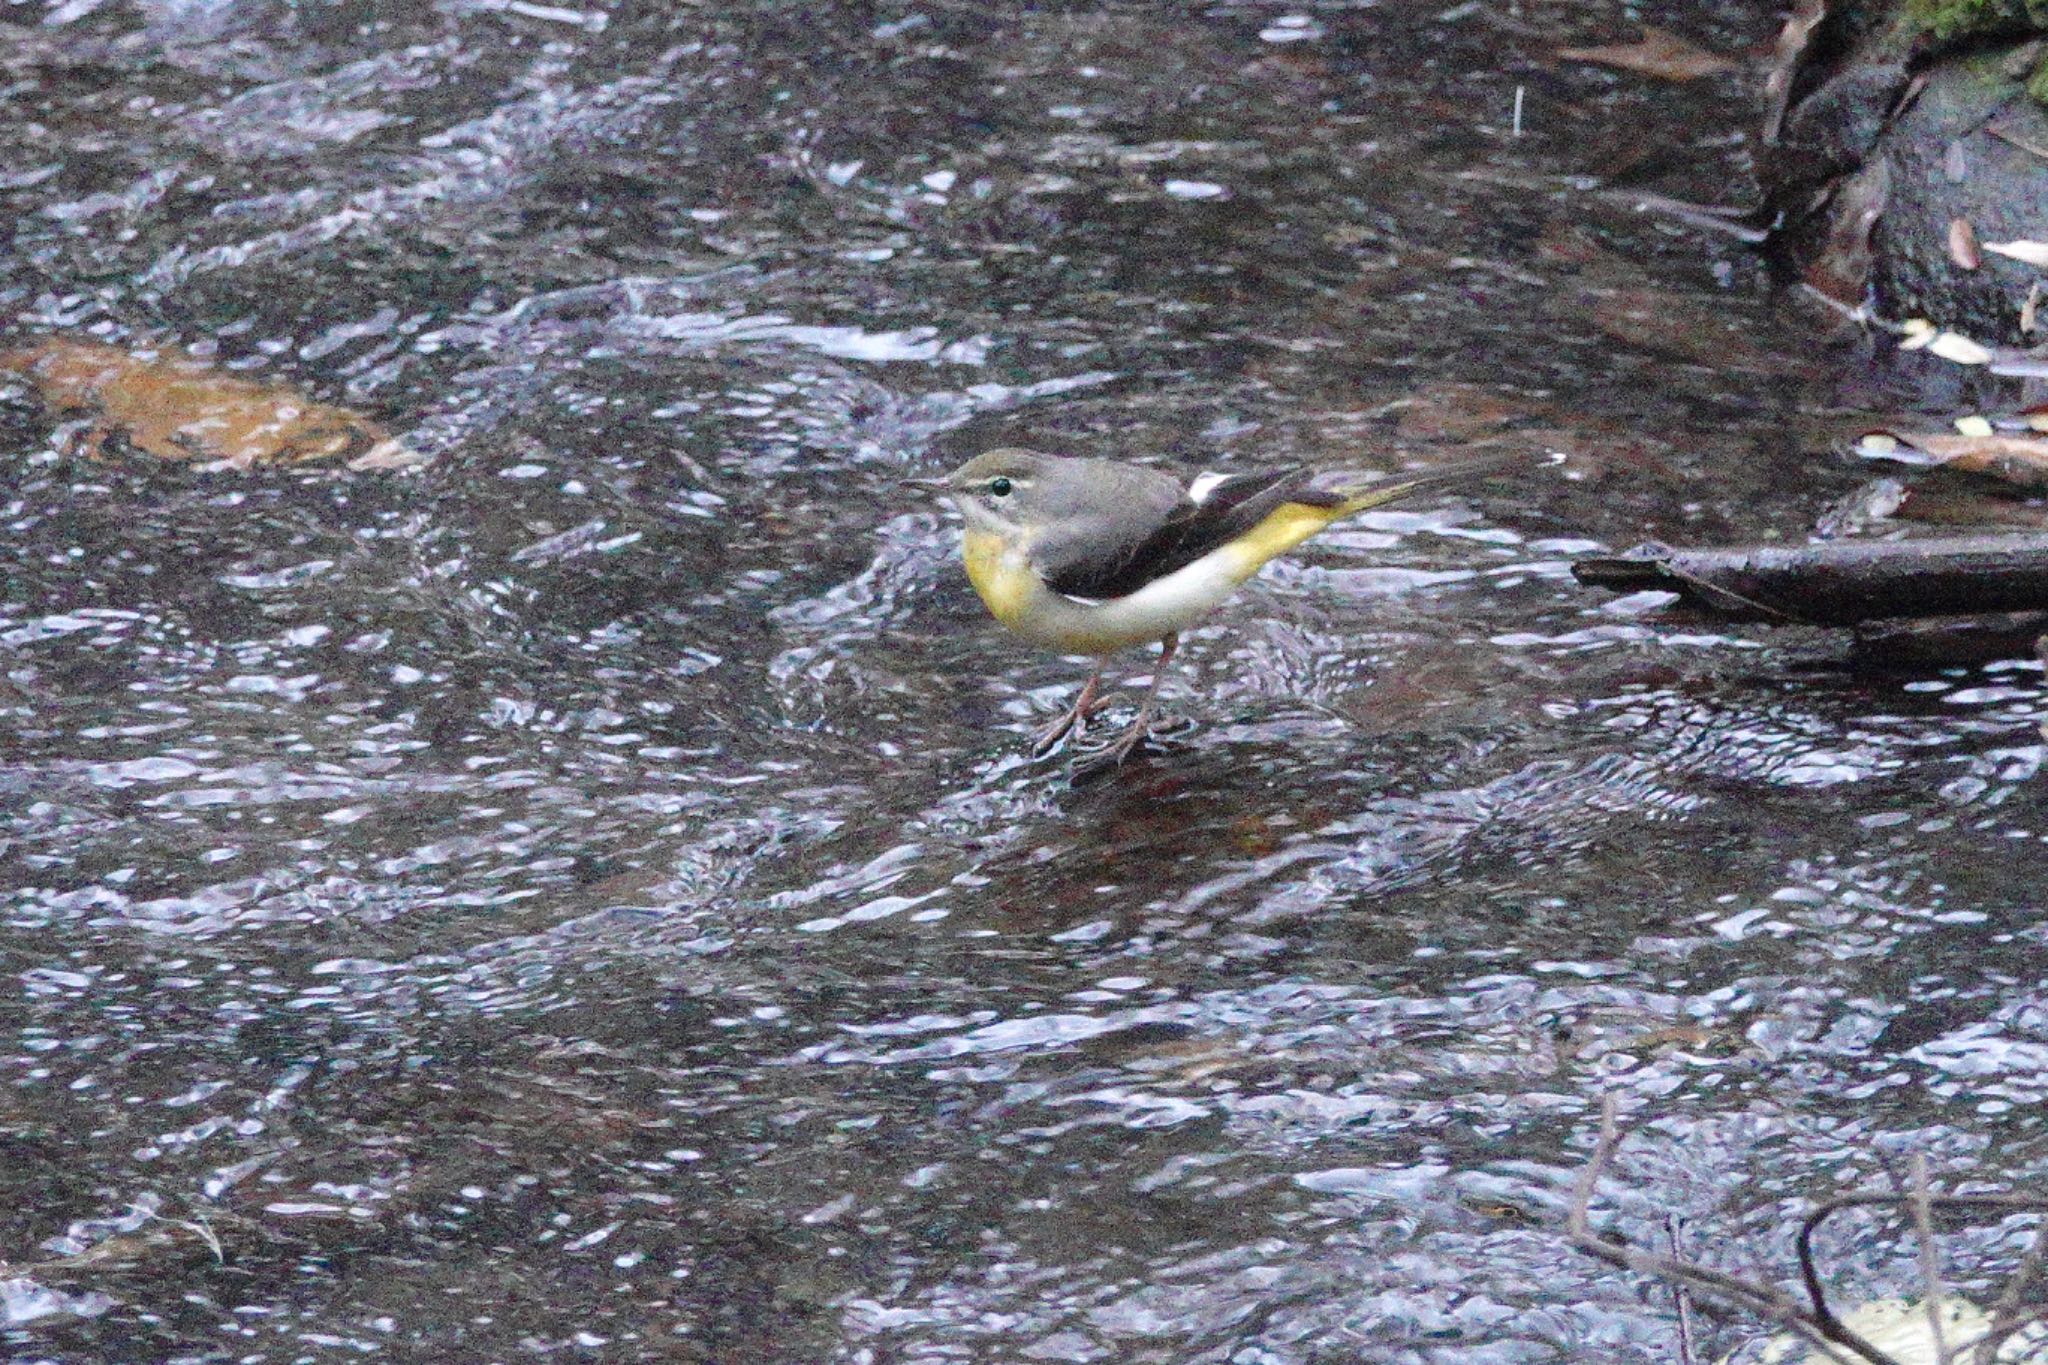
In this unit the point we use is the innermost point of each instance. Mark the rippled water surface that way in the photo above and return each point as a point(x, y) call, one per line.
point(588, 895)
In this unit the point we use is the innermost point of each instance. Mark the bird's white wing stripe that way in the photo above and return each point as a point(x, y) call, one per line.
point(1204, 485)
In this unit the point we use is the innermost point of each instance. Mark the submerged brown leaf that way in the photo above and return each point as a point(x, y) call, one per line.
point(1660, 53)
point(2021, 460)
point(1673, 324)
point(1951, 507)
point(2034, 418)
point(1452, 413)
point(171, 405)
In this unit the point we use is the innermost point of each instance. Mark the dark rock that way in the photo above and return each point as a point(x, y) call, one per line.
point(1960, 151)
point(1949, 132)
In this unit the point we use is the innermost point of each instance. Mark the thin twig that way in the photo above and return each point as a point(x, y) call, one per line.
point(1814, 1321)
point(1809, 1273)
point(2007, 1317)
point(2017, 140)
point(1679, 1296)
point(1825, 1322)
point(1728, 222)
point(1758, 1298)
point(1998, 1339)
point(1930, 1259)
point(1716, 590)
point(204, 1232)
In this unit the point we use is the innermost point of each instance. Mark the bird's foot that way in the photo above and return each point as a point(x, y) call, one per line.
point(1128, 744)
point(1096, 762)
point(1073, 721)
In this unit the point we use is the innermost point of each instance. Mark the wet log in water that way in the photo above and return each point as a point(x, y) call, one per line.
point(1948, 641)
point(1839, 583)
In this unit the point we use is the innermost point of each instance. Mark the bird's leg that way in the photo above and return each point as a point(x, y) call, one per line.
point(1074, 719)
point(1142, 726)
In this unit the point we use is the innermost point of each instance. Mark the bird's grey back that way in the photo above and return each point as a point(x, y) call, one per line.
point(1095, 515)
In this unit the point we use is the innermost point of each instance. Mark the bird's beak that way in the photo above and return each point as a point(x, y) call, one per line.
point(926, 485)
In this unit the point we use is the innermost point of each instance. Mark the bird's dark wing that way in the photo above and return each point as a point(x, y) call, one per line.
point(1172, 536)
point(1095, 535)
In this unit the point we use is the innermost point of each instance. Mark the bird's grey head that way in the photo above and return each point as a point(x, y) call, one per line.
point(1005, 490)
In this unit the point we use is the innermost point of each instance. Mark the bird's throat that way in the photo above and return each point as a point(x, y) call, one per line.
point(1005, 583)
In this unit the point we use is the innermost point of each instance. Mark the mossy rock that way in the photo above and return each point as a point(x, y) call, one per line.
point(1969, 147)
point(1914, 128)
point(1951, 19)
point(1984, 21)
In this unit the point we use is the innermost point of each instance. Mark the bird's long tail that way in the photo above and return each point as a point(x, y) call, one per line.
point(1339, 496)
point(1361, 495)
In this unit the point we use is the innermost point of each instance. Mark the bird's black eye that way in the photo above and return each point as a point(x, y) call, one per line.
point(999, 488)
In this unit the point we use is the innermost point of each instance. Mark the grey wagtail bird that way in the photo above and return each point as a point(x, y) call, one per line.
point(1094, 556)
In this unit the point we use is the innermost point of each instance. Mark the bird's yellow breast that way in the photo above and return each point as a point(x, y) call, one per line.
point(1005, 581)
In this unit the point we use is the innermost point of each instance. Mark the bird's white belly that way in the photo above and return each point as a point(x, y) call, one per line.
point(1159, 609)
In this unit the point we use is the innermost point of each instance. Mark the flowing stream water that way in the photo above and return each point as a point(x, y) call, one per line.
point(587, 896)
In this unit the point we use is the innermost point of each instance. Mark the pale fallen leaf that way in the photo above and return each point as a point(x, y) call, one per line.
point(1916, 332)
point(1962, 244)
point(1919, 334)
point(389, 453)
point(2021, 249)
point(1959, 348)
point(1660, 53)
point(2024, 419)
point(2010, 132)
point(2030, 309)
point(1973, 426)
